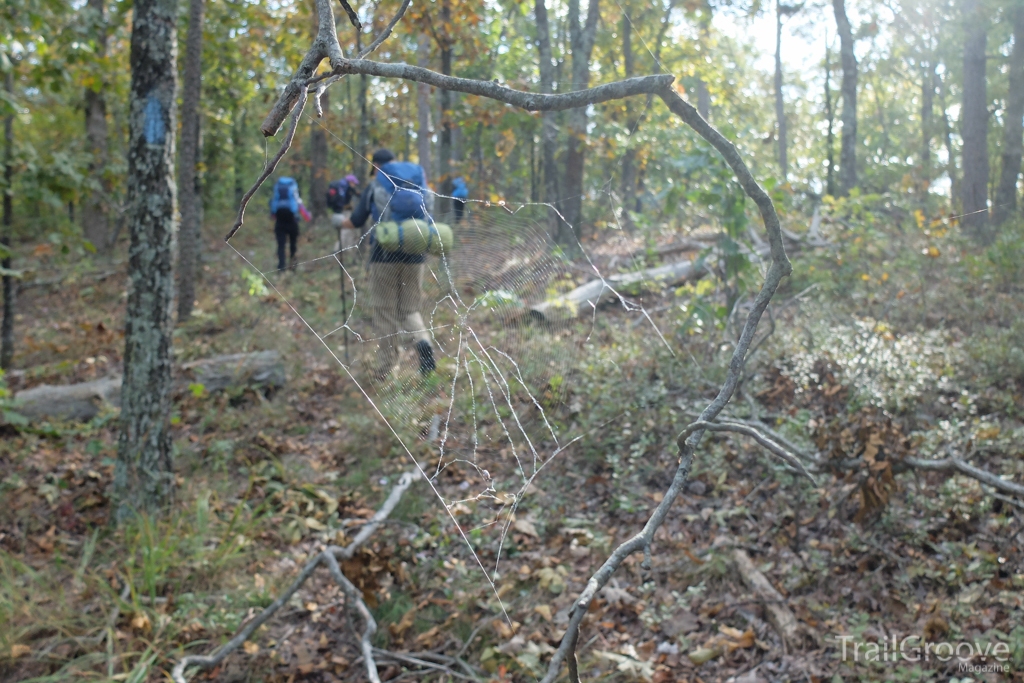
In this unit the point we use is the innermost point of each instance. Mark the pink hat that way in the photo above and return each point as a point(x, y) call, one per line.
point(352, 180)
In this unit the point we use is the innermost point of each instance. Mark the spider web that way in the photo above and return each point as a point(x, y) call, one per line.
point(482, 427)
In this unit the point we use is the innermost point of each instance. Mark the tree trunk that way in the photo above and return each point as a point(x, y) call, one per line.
point(549, 124)
point(629, 157)
point(444, 99)
point(238, 153)
point(190, 200)
point(363, 169)
point(703, 96)
point(780, 111)
point(9, 283)
point(927, 108)
point(582, 42)
point(423, 105)
point(974, 125)
point(830, 138)
point(947, 140)
point(95, 221)
point(1013, 130)
point(318, 149)
point(848, 90)
point(318, 164)
point(142, 477)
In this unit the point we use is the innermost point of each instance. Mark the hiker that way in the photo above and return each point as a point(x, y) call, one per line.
point(285, 207)
point(339, 195)
point(459, 195)
point(341, 192)
point(397, 192)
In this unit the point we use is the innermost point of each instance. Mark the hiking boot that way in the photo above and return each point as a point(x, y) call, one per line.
point(427, 363)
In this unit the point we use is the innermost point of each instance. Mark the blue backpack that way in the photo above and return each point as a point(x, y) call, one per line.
point(339, 194)
point(286, 196)
point(459, 189)
point(400, 192)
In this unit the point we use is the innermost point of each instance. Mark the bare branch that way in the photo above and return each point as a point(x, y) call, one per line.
point(325, 46)
point(387, 30)
point(956, 465)
point(771, 446)
point(328, 556)
point(269, 167)
point(353, 597)
point(780, 267)
point(353, 18)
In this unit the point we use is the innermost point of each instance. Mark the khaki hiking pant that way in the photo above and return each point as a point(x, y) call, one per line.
point(395, 299)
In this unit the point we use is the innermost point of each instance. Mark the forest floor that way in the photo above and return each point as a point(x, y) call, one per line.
point(901, 340)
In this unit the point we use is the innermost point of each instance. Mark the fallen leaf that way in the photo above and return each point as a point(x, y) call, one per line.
point(682, 622)
point(525, 526)
point(705, 654)
point(544, 611)
point(427, 637)
point(140, 622)
point(404, 624)
point(314, 524)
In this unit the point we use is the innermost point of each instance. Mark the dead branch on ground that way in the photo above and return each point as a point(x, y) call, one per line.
point(329, 556)
point(782, 619)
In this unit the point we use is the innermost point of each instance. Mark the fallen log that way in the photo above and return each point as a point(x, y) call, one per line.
point(260, 369)
point(83, 401)
point(585, 297)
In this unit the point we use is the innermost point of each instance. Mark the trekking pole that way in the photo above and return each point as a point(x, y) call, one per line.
point(344, 299)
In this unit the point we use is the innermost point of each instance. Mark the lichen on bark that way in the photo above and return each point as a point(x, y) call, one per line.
point(143, 479)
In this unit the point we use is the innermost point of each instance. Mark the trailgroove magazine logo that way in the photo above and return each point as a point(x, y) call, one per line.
point(971, 656)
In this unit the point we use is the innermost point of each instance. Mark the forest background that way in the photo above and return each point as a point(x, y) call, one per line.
point(893, 157)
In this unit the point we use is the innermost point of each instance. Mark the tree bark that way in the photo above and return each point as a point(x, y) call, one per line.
point(581, 39)
point(830, 138)
point(549, 126)
point(10, 285)
point(780, 110)
point(142, 476)
point(190, 199)
point(974, 125)
point(95, 220)
point(1013, 128)
point(423, 134)
point(848, 90)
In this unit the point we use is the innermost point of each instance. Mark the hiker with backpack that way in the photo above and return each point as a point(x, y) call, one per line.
point(397, 195)
point(340, 194)
point(460, 193)
point(285, 207)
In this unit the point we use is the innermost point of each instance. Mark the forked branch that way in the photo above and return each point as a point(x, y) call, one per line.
point(329, 557)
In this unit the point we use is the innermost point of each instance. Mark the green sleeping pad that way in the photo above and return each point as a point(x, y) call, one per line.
point(414, 236)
